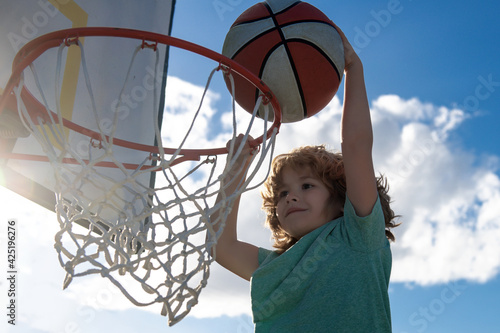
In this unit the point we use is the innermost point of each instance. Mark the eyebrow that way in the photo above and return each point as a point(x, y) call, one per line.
point(302, 178)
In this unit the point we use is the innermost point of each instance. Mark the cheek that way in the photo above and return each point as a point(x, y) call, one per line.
point(278, 217)
point(279, 211)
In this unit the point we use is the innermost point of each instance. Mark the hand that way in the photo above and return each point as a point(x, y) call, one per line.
point(244, 158)
point(350, 56)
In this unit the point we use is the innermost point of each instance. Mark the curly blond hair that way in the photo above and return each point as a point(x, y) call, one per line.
point(329, 168)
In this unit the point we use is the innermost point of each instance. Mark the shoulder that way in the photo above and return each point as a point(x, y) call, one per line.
point(375, 212)
point(364, 232)
point(266, 255)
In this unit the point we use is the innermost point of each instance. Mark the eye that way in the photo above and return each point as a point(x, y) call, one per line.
point(307, 186)
point(282, 194)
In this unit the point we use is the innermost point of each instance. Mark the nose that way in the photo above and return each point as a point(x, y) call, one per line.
point(291, 197)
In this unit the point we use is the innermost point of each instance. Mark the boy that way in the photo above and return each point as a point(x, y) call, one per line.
point(329, 216)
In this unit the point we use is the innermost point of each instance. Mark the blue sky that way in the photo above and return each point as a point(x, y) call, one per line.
point(431, 69)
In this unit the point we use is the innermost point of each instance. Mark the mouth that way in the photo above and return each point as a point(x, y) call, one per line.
point(293, 210)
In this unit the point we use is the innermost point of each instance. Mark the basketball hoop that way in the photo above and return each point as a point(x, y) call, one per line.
point(147, 240)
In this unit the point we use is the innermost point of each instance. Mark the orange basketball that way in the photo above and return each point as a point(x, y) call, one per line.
point(294, 48)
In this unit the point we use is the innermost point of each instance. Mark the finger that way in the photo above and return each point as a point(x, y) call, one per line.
point(349, 53)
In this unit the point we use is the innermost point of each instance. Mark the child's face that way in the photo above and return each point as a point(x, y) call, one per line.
point(304, 203)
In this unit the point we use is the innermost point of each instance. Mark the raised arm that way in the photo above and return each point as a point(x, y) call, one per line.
point(239, 257)
point(357, 135)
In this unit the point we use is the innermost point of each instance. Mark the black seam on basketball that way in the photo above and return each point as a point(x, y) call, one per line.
point(314, 46)
point(268, 54)
point(292, 64)
point(263, 64)
point(287, 8)
point(273, 29)
point(307, 21)
point(266, 17)
point(252, 40)
point(251, 21)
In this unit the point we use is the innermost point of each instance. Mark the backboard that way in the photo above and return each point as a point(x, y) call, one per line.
point(22, 21)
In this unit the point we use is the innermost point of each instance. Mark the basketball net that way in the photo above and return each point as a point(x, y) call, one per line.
point(153, 242)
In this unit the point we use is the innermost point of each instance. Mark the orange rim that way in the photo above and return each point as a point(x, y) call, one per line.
point(32, 50)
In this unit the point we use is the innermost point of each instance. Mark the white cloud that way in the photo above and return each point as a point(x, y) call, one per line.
point(449, 199)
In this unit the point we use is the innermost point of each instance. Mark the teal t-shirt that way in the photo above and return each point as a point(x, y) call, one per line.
point(334, 279)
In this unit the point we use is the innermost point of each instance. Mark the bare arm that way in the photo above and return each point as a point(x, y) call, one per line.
point(239, 257)
point(357, 136)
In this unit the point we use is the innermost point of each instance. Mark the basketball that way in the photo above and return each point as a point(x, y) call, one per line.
point(293, 48)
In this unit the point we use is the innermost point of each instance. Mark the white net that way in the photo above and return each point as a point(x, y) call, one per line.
point(152, 240)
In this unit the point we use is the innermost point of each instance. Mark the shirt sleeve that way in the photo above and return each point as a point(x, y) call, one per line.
point(364, 233)
point(263, 254)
